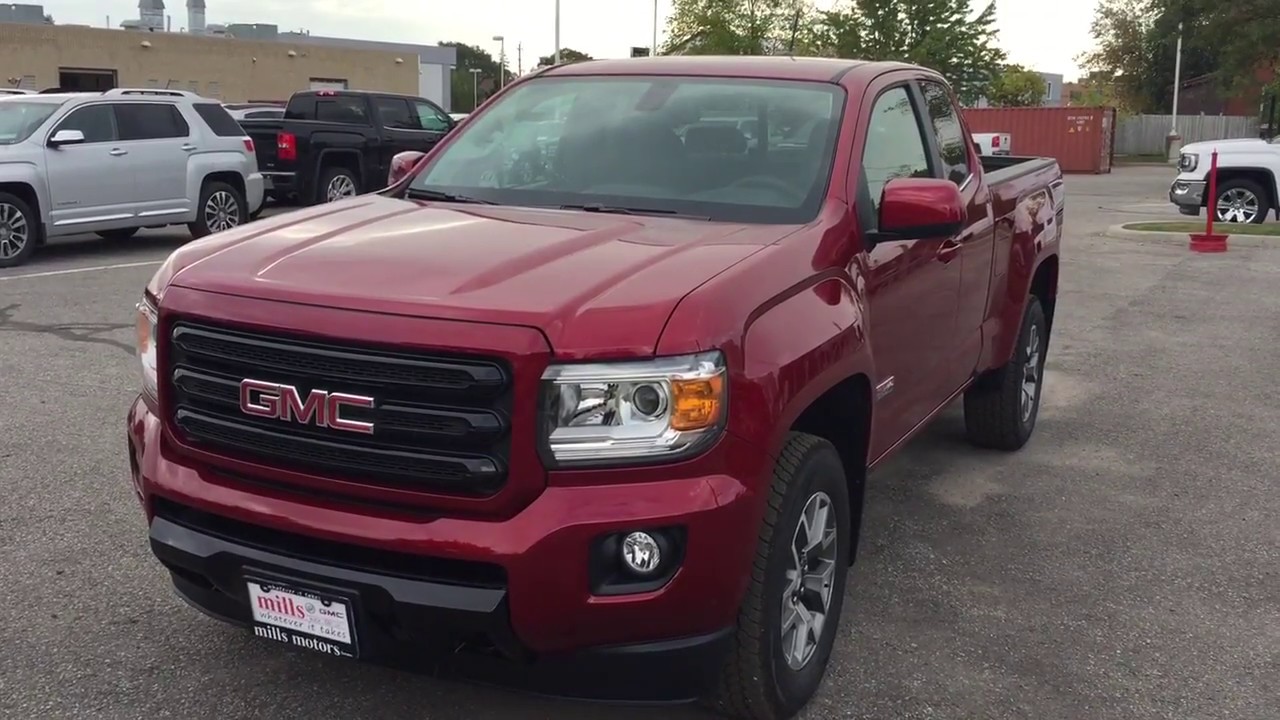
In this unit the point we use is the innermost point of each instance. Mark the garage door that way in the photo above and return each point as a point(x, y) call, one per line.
point(325, 84)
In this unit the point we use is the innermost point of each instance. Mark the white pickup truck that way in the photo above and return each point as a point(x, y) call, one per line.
point(1246, 187)
point(993, 143)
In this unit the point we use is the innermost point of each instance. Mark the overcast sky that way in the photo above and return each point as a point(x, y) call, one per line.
point(1046, 36)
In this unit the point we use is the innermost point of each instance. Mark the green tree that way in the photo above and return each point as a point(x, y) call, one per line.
point(567, 55)
point(1136, 45)
point(944, 35)
point(1242, 32)
point(732, 27)
point(1016, 87)
point(464, 86)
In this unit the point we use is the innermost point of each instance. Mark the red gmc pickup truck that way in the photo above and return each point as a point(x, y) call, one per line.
point(588, 399)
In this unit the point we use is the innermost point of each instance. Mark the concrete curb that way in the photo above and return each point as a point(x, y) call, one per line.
point(1118, 232)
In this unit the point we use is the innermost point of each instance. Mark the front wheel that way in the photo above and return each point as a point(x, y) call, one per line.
point(788, 621)
point(19, 230)
point(1242, 201)
point(222, 207)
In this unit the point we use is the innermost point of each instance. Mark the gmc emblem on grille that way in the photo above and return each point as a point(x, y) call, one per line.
point(320, 408)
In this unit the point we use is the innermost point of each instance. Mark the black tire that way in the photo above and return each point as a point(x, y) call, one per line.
point(1264, 200)
point(756, 683)
point(994, 416)
point(117, 235)
point(201, 227)
point(331, 175)
point(9, 257)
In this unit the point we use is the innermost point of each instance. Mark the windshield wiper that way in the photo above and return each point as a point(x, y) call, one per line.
point(622, 210)
point(421, 194)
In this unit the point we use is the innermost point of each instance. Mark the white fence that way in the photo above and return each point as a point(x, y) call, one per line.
point(1145, 134)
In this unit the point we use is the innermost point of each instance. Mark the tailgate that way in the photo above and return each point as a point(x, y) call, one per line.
point(265, 137)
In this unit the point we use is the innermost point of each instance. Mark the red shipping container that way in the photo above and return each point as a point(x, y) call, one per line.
point(1081, 139)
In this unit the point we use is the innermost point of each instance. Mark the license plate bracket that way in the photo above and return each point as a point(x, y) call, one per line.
point(303, 615)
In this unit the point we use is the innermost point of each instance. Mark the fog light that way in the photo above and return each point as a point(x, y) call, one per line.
point(641, 554)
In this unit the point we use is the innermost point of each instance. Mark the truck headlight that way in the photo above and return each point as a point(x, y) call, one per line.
point(145, 326)
point(1188, 162)
point(646, 410)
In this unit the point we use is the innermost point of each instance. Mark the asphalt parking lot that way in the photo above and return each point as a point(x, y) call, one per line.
point(1126, 564)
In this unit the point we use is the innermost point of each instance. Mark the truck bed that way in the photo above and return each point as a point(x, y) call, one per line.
point(1013, 178)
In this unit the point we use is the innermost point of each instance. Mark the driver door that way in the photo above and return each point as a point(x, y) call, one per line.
point(79, 196)
point(912, 286)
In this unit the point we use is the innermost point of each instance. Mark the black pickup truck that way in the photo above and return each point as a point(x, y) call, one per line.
point(332, 144)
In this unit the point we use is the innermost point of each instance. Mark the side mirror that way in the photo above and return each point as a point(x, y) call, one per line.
point(66, 137)
point(402, 164)
point(918, 208)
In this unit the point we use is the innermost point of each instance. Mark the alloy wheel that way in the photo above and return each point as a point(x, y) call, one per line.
point(1237, 205)
point(806, 599)
point(1031, 373)
point(14, 231)
point(340, 187)
point(221, 212)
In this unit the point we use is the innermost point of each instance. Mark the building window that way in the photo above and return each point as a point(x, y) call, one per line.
point(194, 86)
point(215, 89)
point(27, 82)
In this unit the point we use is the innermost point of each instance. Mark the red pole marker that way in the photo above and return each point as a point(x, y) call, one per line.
point(1210, 242)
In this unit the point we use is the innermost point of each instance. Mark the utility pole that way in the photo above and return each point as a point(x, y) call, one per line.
point(1174, 145)
point(475, 88)
point(519, 59)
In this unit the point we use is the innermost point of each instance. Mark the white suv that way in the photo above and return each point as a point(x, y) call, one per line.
point(113, 162)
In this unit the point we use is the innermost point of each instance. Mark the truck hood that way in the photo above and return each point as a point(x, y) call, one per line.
point(594, 284)
point(1227, 146)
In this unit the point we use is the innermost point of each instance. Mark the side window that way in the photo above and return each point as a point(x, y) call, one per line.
point(150, 121)
point(218, 120)
point(97, 122)
point(395, 113)
point(431, 118)
point(951, 140)
point(894, 145)
point(346, 110)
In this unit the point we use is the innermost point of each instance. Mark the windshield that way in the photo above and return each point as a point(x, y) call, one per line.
point(19, 119)
point(724, 149)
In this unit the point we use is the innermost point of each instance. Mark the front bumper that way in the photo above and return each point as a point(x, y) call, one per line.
point(1188, 195)
point(505, 600)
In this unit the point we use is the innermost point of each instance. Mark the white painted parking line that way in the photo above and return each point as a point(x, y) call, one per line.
point(70, 271)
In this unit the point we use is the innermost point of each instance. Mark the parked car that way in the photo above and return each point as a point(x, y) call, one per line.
point(1246, 187)
point(994, 143)
point(458, 117)
point(244, 111)
point(599, 423)
point(113, 162)
point(335, 144)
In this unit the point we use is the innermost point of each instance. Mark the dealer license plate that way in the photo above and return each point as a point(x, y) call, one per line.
point(302, 618)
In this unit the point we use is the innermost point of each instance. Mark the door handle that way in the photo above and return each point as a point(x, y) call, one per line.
point(949, 251)
point(188, 147)
point(117, 152)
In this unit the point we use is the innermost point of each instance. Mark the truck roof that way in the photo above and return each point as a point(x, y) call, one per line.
point(762, 67)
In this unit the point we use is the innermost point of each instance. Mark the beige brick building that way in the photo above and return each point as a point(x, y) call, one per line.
point(81, 58)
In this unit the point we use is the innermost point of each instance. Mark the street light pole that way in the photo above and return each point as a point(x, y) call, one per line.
point(502, 60)
point(557, 59)
point(653, 49)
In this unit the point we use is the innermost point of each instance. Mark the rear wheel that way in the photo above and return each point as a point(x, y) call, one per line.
point(338, 183)
point(788, 621)
point(117, 235)
point(19, 230)
point(222, 207)
point(1000, 409)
